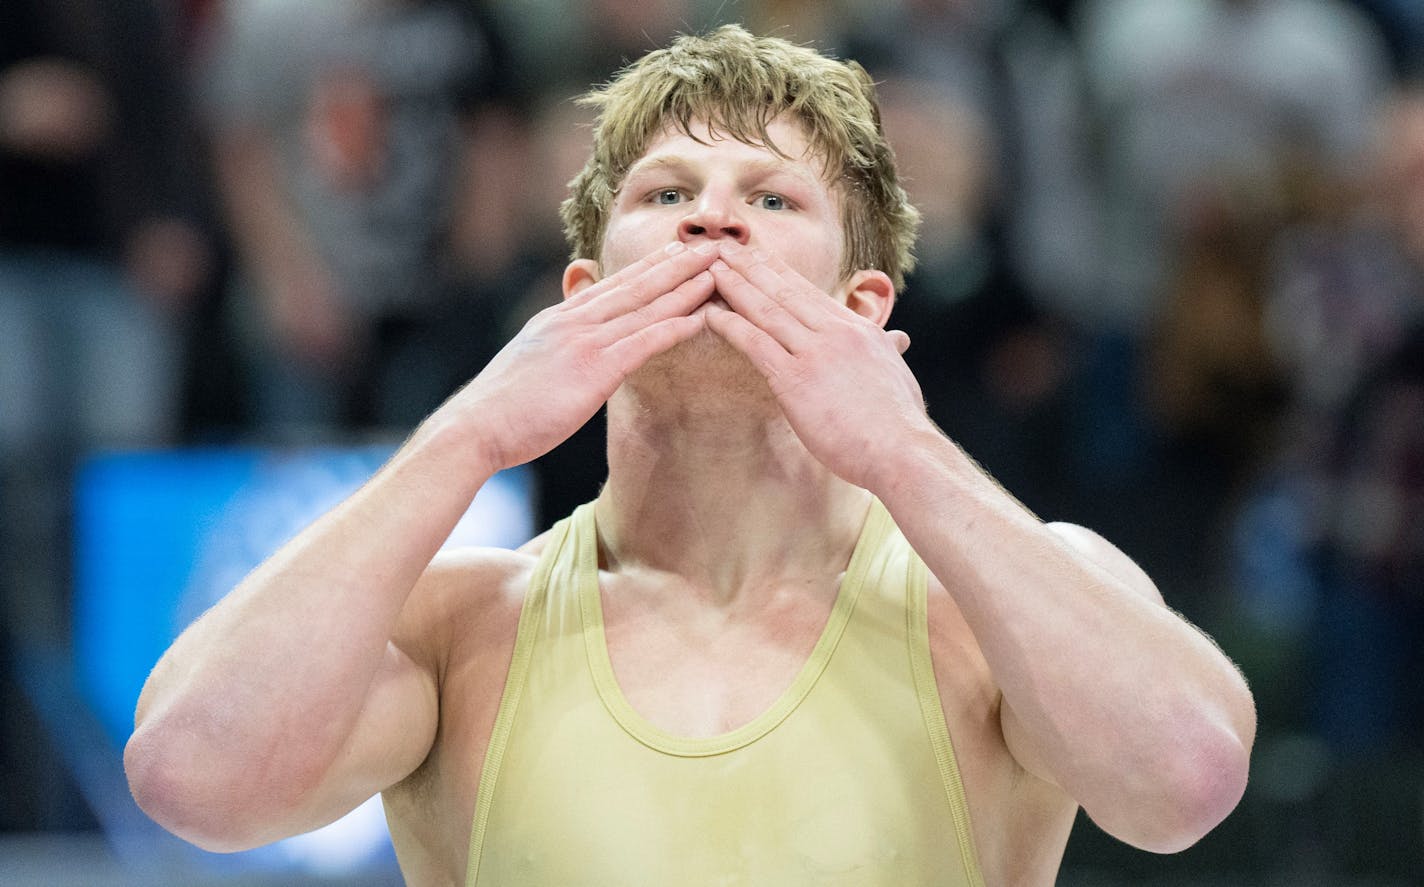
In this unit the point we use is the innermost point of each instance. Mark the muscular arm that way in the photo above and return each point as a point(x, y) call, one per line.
point(292, 700)
point(312, 685)
point(1106, 692)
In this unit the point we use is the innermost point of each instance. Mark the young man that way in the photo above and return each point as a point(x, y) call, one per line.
point(798, 639)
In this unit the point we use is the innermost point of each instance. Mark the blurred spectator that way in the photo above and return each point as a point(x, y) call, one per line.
point(1364, 474)
point(1329, 548)
point(560, 47)
point(101, 254)
point(1371, 560)
point(525, 254)
point(1017, 74)
point(102, 258)
point(1205, 114)
point(1198, 96)
point(1215, 387)
point(342, 129)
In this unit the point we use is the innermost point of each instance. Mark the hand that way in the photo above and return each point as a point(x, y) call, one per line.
point(840, 379)
point(570, 358)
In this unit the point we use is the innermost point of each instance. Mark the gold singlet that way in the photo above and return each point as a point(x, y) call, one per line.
point(848, 779)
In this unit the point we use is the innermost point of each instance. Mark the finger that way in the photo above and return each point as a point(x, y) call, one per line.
point(800, 297)
point(755, 305)
point(680, 300)
point(641, 282)
point(628, 273)
point(764, 352)
point(900, 339)
point(632, 351)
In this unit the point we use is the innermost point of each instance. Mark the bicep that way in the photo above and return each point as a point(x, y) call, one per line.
point(396, 725)
point(391, 738)
point(1111, 560)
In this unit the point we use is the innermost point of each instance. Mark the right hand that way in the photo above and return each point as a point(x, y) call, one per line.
point(570, 358)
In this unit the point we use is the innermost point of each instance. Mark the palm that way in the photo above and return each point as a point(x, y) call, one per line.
point(570, 358)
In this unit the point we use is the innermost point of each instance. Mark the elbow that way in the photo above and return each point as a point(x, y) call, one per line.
point(1212, 789)
point(180, 791)
point(1204, 784)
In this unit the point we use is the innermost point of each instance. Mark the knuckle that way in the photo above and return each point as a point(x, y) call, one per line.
point(766, 310)
point(642, 316)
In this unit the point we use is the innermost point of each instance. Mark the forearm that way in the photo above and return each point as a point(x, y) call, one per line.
point(1108, 693)
point(265, 689)
point(318, 677)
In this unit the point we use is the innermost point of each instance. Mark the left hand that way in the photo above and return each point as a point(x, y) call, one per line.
point(840, 379)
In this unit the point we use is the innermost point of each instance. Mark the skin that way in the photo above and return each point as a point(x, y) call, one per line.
point(750, 390)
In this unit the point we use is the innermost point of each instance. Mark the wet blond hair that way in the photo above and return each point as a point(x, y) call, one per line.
point(738, 84)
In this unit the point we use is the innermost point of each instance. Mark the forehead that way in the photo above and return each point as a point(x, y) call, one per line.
point(794, 154)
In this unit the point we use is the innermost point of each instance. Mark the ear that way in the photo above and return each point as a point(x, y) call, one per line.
point(870, 294)
point(579, 275)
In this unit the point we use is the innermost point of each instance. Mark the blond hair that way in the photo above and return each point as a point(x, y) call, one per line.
point(737, 84)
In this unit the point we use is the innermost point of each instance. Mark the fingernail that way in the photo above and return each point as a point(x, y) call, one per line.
point(675, 247)
point(731, 247)
point(720, 265)
point(704, 248)
point(760, 255)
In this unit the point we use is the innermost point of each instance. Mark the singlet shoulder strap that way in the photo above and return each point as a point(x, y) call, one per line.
point(927, 688)
point(530, 617)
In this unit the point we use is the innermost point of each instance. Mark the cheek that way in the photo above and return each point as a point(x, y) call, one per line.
point(625, 243)
point(816, 257)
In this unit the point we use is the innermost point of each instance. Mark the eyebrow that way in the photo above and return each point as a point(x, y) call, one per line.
point(756, 168)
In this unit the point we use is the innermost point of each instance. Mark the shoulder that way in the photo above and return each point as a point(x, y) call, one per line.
point(1107, 556)
point(959, 662)
point(467, 599)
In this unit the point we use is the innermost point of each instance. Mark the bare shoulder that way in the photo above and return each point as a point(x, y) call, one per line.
point(463, 596)
point(1107, 556)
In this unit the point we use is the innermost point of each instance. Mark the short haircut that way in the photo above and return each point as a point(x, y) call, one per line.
point(738, 84)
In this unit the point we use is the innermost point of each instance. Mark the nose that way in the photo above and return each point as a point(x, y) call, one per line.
point(714, 217)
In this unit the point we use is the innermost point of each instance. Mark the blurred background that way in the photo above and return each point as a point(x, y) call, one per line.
point(1170, 286)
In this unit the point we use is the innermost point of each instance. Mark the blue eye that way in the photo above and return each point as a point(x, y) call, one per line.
point(668, 197)
point(772, 202)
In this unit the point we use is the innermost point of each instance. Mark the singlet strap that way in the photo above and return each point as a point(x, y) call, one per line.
point(530, 616)
point(917, 613)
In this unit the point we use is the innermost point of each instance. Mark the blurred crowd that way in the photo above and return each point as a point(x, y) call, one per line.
point(1170, 281)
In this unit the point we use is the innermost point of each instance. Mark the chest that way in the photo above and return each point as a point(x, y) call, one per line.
point(806, 763)
point(699, 672)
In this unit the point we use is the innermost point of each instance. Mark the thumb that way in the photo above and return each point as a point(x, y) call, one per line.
point(901, 339)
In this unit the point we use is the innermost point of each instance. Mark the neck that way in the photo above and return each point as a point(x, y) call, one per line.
point(725, 497)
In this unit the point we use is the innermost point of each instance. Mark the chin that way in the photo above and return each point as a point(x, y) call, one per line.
point(703, 369)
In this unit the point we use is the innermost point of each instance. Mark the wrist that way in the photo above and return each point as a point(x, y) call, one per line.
point(447, 438)
point(930, 469)
point(904, 468)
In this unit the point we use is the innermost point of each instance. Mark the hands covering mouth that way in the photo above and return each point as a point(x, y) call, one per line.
point(714, 301)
